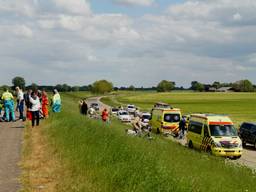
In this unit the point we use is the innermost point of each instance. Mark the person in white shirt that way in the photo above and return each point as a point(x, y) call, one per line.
point(35, 108)
point(20, 102)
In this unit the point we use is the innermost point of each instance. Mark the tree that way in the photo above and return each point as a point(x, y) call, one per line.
point(66, 88)
point(199, 87)
point(75, 88)
point(243, 86)
point(131, 88)
point(102, 87)
point(19, 82)
point(34, 87)
point(196, 86)
point(216, 84)
point(165, 86)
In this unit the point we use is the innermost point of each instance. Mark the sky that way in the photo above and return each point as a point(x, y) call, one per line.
point(128, 42)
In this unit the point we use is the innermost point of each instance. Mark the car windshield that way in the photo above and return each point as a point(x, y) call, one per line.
point(172, 118)
point(124, 113)
point(114, 110)
point(131, 107)
point(223, 130)
point(145, 116)
point(94, 104)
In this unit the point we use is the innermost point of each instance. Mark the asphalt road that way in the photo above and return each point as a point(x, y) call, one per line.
point(249, 153)
point(10, 153)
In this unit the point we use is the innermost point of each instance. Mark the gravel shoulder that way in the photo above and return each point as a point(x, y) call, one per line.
point(11, 135)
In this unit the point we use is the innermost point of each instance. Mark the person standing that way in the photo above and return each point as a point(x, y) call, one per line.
point(35, 108)
point(7, 97)
point(56, 102)
point(104, 115)
point(182, 127)
point(20, 102)
point(84, 108)
point(45, 103)
point(28, 104)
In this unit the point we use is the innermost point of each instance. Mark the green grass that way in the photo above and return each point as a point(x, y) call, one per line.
point(102, 157)
point(240, 106)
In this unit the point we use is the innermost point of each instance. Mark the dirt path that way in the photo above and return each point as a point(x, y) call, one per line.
point(11, 135)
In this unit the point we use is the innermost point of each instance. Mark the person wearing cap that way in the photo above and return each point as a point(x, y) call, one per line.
point(20, 102)
point(7, 97)
point(56, 102)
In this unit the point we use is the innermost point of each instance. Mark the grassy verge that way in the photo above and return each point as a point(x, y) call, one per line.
point(101, 157)
point(40, 164)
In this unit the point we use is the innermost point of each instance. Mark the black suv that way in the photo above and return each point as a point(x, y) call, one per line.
point(247, 133)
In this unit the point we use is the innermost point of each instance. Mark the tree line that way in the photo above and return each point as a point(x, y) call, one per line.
point(104, 86)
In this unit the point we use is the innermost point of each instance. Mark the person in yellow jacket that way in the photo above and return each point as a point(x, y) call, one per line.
point(56, 102)
point(7, 98)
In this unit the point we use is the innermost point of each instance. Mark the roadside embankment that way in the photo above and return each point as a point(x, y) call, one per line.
point(100, 157)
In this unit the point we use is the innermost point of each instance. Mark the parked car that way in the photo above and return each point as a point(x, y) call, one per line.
point(145, 117)
point(247, 133)
point(114, 110)
point(95, 106)
point(124, 116)
point(131, 108)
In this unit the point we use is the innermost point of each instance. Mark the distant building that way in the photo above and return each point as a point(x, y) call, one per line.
point(225, 89)
point(212, 89)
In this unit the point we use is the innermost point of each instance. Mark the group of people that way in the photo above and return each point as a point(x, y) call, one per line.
point(35, 102)
point(84, 110)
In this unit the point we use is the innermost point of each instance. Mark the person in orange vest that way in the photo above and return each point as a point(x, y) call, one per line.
point(45, 103)
point(104, 115)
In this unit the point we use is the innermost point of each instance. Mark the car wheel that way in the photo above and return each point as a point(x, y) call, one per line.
point(190, 144)
point(255, 144)
point(238, 157)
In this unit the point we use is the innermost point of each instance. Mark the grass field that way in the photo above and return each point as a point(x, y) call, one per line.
point(101, 157)
point(240, 106)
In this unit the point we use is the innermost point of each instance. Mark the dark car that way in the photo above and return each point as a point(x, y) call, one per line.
point(247, 132)
point(95, 106)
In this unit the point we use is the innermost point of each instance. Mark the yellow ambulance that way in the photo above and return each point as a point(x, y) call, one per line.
point(165, 119)
point(214, 134)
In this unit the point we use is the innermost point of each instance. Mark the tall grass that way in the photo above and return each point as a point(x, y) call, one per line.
point(101, 157)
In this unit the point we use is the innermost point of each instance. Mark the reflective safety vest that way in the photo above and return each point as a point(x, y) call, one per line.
point(7, 96)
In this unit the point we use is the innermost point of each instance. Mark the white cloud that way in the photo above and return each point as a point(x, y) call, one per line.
point(223, 11)
point(66, 41)
point(23, 31)
point(20, 7)
point(80, 7)
point(237, 17)
point(135, 2)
